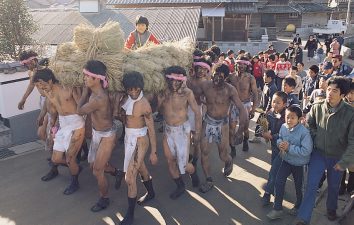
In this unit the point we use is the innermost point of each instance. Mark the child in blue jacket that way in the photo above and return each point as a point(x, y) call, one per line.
point(295, 145)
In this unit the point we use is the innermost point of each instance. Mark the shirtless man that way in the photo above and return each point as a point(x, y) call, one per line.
point(246, 86)
point(69, 137)
point(95, 101)
point(219, 95)
point(173, 104)
point(138, 121)
point(201, 68)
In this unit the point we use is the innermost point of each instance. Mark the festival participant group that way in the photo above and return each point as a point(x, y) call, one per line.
point(308, 113)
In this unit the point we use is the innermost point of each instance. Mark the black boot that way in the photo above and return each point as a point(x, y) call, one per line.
point(150, 193)
point(119, 177)
point(233, 151)
point(52, 173)
point(73, 186)
point(245, 144)
point(180, 188)
point(129, 216)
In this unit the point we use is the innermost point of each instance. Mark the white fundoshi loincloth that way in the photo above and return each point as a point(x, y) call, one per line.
point(178, 140)
point(191, 116)
point(130, 142)
point(235, 113)
point(213, 128)
point(96, 141)
point(68, 124)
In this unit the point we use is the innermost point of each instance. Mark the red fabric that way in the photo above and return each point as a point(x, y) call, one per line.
point(230, 65)
point(271, 65)
point(257, 69)
point(131, 40)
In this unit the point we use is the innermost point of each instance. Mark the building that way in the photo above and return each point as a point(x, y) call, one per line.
point(220, 20)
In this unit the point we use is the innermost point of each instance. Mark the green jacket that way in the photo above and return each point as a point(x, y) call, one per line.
point(333, 133)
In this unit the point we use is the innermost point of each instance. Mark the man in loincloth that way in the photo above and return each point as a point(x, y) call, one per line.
point(69, 137)
point(95, 101)
point(219, 95)
point(174, 104)
point(139, 130)
point(246, 87)
point(201, 68)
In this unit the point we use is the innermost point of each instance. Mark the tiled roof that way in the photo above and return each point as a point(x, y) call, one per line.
point(311, 7)
point(166, 23)
point(277, 9)
point(130, 2)
point(241, 8)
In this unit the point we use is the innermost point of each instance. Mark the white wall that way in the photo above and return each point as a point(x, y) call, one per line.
point(89, 6)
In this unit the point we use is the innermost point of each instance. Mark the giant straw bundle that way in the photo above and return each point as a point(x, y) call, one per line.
point(151, 60)
point(106, 44)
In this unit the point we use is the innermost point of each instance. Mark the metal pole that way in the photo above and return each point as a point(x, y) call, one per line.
point(348, 13)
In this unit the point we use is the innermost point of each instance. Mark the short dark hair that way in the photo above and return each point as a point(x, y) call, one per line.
point(44, 75)
point(301, 63)
point(222, 68)
point(241, 51)
point(223, 54)
point(133, 79)
point(215, 49)
point(314, 68)
point(229, 52)
point(211, 55)
point(294, 68)
point(351, 86)
point(175, 69)
point(342, 83)
point(141, 19)
point(290, 81)
point(282, 95)
point(295, 109)
point(282, 55)
point(27, 54)
point(198, 52)
point(270, 73)
point(272, 57)
point(44, 62)
point(96, 67)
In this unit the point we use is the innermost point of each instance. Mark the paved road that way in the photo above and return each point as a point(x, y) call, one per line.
point(26, 200)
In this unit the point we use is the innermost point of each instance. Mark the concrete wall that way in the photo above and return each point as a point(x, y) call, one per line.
point(313, 19)
point(251, 47)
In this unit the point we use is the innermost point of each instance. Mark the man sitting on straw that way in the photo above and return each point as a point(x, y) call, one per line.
point(219, 95)
point(69, 137)
point(140, 36)
point(174, 105)
point(95, 101)
point(138, 122)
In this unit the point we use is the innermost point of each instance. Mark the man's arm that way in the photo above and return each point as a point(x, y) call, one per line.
point(243, 114)
point(198, 116)
point(86, 104)
point(29, 90)
point(311, 120)
point(347, 159)
point(149, 121)
point(255, 98)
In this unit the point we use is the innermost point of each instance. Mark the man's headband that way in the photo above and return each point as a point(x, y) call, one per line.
point(176, 76)
point(23, 62)
point(248, 63)
point(202, 64)
point(103, 78)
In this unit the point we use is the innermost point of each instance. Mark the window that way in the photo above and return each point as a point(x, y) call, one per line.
point(293, 15)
